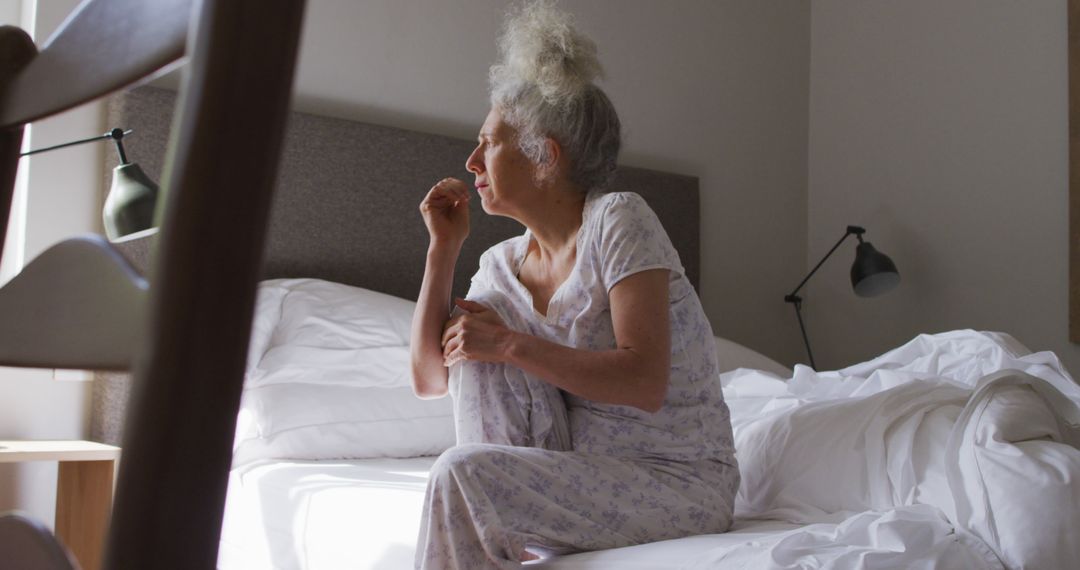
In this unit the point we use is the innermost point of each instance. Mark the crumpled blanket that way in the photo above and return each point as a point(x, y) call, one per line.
point(955, 450)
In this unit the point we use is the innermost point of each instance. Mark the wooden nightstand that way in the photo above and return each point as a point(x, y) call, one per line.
point(84, 490)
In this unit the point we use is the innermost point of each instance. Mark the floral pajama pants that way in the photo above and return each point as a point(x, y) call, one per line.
point(514, 481)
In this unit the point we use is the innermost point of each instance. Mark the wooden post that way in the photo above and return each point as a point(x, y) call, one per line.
point(218, 184)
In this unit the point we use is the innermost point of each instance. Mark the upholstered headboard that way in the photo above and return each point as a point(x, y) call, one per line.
point(346, 208)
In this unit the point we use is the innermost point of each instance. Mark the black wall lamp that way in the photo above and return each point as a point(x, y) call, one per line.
point(872, 274)
point(129, 207)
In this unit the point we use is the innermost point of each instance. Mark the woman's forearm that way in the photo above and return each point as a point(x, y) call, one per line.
point(626, 376)
point(432, 311)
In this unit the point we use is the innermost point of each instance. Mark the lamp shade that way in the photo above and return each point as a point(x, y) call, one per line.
point(873, 273)
point(129, 208)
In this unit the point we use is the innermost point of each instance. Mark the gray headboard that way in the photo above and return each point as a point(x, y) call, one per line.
point(346, 208)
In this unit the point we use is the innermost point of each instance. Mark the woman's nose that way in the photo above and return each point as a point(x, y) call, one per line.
point(473, 164)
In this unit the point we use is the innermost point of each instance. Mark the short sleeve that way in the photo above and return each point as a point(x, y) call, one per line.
point(482, 278)
point(632, 240)
point(494, 267)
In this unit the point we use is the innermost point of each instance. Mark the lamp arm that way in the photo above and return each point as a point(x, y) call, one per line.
point(851, 230)
point(796, 300)
point(109, 135)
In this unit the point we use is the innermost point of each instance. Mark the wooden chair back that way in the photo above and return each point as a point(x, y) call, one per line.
point(187, 341)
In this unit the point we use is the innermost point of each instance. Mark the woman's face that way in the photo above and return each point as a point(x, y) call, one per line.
point(504, 175)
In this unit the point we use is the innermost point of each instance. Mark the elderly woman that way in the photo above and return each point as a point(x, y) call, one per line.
point(582, 366)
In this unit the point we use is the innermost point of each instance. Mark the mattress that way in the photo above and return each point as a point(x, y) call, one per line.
point(365, 514)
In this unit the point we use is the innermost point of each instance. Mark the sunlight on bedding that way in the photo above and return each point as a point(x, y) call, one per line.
point(389, 535)
point(324, 515)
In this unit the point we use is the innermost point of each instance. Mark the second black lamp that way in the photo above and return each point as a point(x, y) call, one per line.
point(872, 274)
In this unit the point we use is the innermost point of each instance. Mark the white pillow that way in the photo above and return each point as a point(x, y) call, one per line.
point(732, 355)
point(329, 333)
point(309, 421)
point(328, 378)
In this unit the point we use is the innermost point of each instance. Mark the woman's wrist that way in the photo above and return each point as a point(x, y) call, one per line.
point(444, 246)
point(513, 343)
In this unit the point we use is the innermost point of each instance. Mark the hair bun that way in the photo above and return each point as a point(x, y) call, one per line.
point(539, 45)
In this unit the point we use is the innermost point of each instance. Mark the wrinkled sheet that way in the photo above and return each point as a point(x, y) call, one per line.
point(954, 450)
point(912, 538)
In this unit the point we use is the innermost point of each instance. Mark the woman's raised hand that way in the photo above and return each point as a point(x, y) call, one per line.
point(446, 211)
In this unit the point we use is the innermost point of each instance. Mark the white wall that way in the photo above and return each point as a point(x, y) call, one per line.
point(712, 89)
point(942, 127)
point(10, 12)
point(61, 199)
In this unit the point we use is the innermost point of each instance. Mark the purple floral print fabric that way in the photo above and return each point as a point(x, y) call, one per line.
point(536, 466)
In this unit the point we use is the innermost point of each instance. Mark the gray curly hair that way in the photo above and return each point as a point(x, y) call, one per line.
point(543, 85)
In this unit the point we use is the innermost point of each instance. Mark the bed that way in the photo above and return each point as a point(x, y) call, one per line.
point(956, 450)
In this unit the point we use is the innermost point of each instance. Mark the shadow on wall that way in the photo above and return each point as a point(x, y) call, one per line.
point(353, 111)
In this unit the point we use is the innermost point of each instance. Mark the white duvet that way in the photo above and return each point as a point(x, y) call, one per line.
point(957, 450)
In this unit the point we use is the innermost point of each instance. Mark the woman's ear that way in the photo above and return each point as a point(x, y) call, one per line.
point(552, 152)
point(548, 168)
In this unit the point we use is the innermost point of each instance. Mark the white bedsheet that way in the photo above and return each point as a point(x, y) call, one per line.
point(956, 450)
point(365, 514)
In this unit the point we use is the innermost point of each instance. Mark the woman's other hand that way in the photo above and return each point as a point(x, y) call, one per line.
point(479, 334)
point(446, 211)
